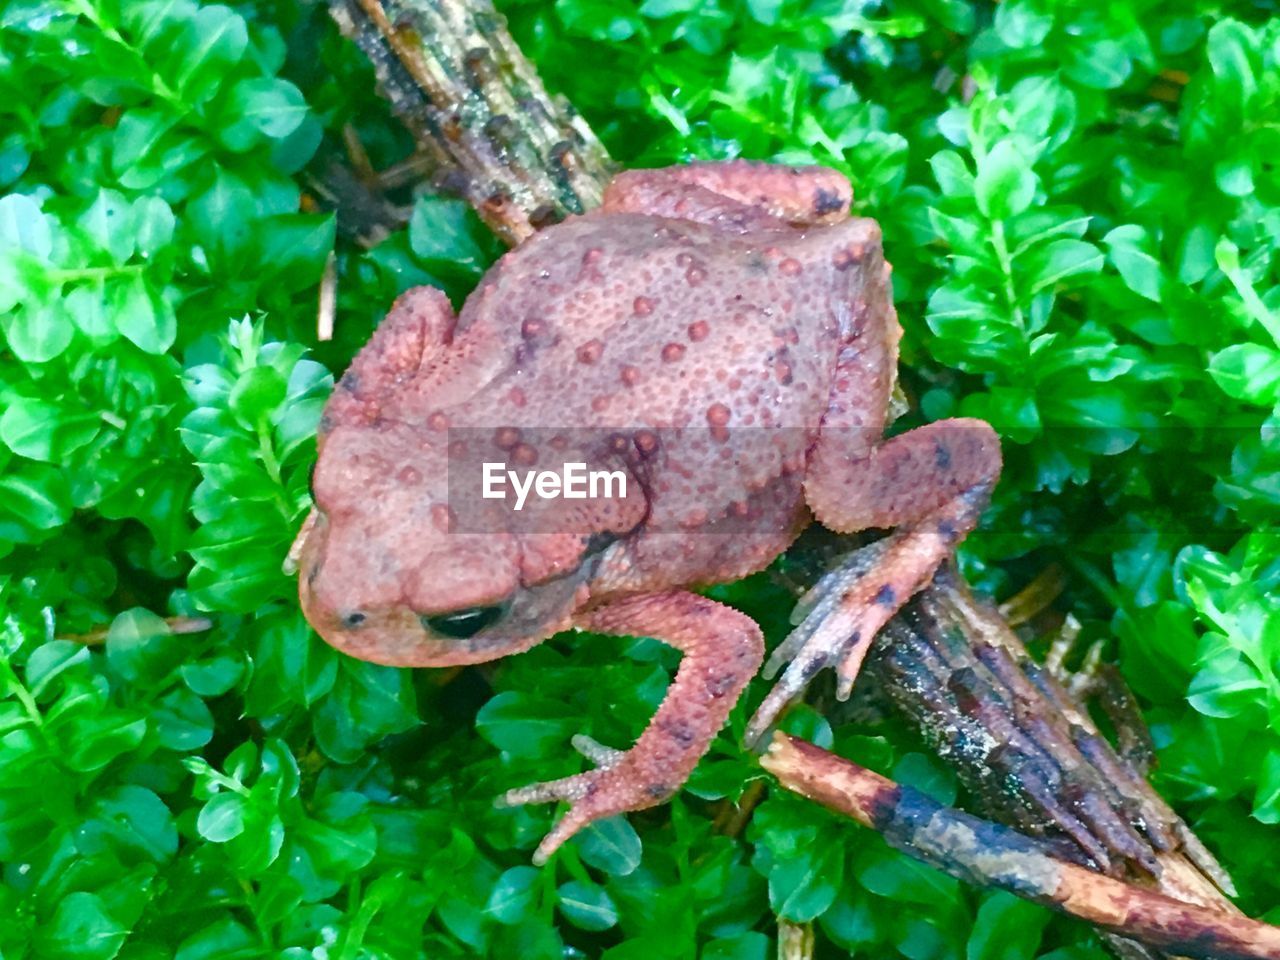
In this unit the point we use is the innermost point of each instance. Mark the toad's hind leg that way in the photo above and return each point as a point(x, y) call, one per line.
point(722, 651)
point(932, 484)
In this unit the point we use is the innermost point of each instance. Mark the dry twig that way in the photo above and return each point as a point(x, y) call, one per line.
point(992, 855)
point(176, 625)
point(476, 106)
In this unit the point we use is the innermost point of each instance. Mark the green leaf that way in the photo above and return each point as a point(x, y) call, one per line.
point(598, 19)
point(526, 725)
point(956, 312)
point(32, 500)
point(44, 431)
point(222, 818)
point(1006, 928)
point(224, 214)
point(14, 158)
point(801, 888)
point(50, 660)
point(88, 310)
point(890, 874)
point(1229, 51)
point(745, 946)
point(762, 11)
point(147, 149)
point(82, 929)
point(922, 773)
point(92, 741)
point(1005, 184)
point(214, 677)
point(137, 134)
point(211, 42)
point(659, 9)
point(182, 722)
point(611, 845)
point(224, 939)
point(952, 174)
point(1234, 175)
point(294, 247)
point(1266, 798)
point(514, 894)
point(367, 702)
point(443, 234)
point(1101, 64)
point(256, 395)
point(142, 820)
point(141, 646)
point(14, 284)
point(143, 317)
point(108, 222)
point(587, 905)
point(1021, 25)
point(238, 560)
point(39, 332)
point(291, 663)
point(1226, 686)
point(853, 920)
point(24, 227)
point(153, 225)
point(1127, 247)
point(1055, 262)
point(1248, 372)
point(262, 106)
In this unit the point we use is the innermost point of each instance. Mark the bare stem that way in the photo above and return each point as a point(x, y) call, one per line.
point(992, 855)
point(477, 108)
point(176, 625)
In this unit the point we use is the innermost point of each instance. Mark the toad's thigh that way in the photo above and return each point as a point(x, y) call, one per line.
point(905, 479)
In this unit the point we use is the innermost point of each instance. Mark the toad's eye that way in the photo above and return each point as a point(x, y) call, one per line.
point(461, 624)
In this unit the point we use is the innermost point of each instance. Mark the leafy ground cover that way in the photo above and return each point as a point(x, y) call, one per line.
point(1082, 205)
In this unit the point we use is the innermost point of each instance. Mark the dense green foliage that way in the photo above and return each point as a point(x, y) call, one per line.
point(1082, 205)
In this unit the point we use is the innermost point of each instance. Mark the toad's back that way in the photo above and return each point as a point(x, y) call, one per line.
point(722, 344)
point(625, 319)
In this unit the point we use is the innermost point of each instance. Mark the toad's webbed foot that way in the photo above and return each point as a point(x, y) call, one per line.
point(834, 631)
point(722, 650)
point(592, 795)
point(817, 604)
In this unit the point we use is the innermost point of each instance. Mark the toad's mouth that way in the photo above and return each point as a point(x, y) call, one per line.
point(293, 559)
point(399, 636)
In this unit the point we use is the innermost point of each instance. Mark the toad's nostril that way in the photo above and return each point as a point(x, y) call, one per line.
point(461, 624)
point(353, 620)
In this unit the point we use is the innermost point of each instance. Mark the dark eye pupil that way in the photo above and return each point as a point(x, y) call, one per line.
point(462, 623)
point(353, 619)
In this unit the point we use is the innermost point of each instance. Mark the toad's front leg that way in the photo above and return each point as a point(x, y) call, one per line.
point(722, 650)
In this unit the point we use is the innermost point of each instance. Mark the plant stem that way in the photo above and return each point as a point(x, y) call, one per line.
point(161, 89)
point(94, 273)
point(1001, 245)
point(22, 694)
